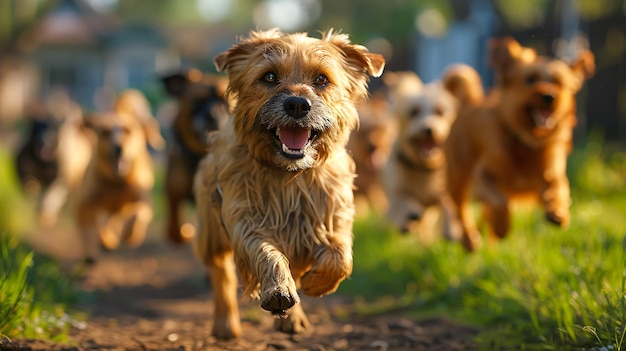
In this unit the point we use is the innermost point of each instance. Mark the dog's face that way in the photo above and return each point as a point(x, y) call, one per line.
point(424, 120)
point(296, 95)
point(202, 97)
point(538, 93)
point(119, 140)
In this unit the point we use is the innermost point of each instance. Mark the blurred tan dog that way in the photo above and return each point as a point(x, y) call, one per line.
point(74, 150)
point(370, 146)
point(274, 193)
point(515, 145)
point(202, 108)
point(414, 177)
point(114, 196)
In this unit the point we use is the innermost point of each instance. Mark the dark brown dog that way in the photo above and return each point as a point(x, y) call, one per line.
point(274, 193)
point(515, 144)
point(202, 109)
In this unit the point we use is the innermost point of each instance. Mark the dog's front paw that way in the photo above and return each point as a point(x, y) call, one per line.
point(560, 218)
point(225, 329)
point(324, 278)
point(296, 322)
point(279, 300)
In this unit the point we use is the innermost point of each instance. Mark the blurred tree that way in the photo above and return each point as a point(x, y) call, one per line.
point(17, 17)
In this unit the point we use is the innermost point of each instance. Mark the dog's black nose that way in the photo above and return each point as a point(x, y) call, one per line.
point(297, 107)
point(428, 132)
point(548, 99)
point(117, 151)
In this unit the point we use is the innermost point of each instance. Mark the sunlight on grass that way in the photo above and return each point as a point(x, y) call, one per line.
point(542, 287)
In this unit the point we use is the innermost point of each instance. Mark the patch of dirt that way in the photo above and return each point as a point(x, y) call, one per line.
point(157, 298)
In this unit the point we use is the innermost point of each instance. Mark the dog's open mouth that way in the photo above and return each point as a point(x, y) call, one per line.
point(543, 118)
point(294, 140)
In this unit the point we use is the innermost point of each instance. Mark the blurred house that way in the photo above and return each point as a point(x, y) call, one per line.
point(92, 54)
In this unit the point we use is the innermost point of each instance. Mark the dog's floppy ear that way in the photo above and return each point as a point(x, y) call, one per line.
point(505, 51)
point(357, 55)
point(224, 60)
point(464, 83)
point(584, 67)
point(176, 83)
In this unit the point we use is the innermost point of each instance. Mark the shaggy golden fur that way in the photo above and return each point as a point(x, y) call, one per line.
point(515, 144)
point(114, 195)
point(274, 194)
point(414, 176)
point(202, 108)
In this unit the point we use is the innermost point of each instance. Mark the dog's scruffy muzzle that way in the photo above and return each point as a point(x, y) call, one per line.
point(295, 125)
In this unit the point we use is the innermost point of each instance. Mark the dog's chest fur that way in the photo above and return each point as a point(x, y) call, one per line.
point(296, 212)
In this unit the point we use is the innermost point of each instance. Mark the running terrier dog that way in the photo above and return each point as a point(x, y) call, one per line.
point(275, 192)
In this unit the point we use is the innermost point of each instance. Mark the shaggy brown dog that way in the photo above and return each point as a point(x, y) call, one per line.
point(274, 193)
point(414, 176)
point(370, 146)
point(515, 145)
point(114, 197)
point(202, 108)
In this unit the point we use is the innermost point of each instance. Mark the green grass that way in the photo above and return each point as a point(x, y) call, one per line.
point(541, 288)
point(33, 289)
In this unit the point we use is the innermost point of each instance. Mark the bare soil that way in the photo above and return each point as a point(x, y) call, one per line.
point(157, 297)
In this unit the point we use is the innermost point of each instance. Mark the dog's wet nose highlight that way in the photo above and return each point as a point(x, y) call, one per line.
point(297, 107)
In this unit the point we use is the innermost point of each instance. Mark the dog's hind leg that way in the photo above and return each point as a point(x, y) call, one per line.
point(495, 204)
point(458, 188)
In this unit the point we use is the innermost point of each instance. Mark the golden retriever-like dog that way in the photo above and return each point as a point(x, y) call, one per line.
point(274, 193)
point(114, 195)
point(515, 145)
point(414, 176)
point(202, 108)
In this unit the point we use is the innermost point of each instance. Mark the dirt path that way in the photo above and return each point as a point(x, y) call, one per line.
point(157, 298)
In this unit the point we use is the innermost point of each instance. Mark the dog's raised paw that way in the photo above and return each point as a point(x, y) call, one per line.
point(558, 218)
point(278, 302)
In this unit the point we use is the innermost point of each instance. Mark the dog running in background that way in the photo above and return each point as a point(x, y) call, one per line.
point(370, 146)
point(114, 196)
point(515, 144)
point(202, 109)
point(36, 160)
point(274, 194)
point(414, 176)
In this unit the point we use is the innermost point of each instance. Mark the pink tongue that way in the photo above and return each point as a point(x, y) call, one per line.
point(294, 137)
point(544, 114)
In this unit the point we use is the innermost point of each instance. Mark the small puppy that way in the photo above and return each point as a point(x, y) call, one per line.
point(414, 176)
point(274, 193)
point(202, 108)
point(114, 198)
point(370, 146)
point(515, 144)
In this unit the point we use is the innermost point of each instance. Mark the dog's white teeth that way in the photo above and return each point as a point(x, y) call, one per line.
point(291, 151)
point(544, 120)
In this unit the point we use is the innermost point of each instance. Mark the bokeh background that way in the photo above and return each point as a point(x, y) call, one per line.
point(95, 48)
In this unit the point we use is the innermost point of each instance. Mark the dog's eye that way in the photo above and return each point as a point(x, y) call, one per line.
point(438, 111)
point(270, 77)
point(532, 78)
point(321, 81)
point(414, 112)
